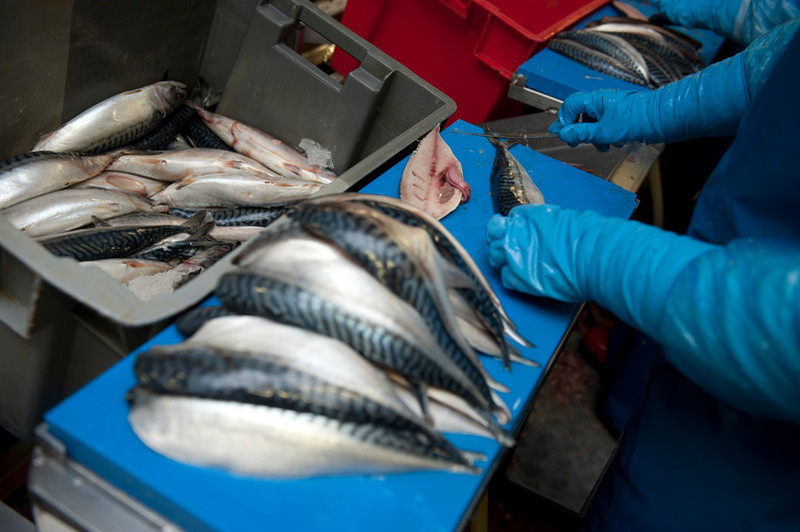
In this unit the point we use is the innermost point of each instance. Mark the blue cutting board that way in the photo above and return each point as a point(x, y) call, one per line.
point(93, 425)
point(555, 75)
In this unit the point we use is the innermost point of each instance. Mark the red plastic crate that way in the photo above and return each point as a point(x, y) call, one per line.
point(468, 49)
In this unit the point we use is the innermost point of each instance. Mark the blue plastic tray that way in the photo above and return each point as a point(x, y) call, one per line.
point(555, 75)
point(93, 424)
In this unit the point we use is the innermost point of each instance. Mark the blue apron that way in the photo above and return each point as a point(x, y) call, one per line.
point(687, 461)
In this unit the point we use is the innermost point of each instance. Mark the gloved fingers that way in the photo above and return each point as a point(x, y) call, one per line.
point(570, 111)
point(511, 281)
point(496, 227)
point(497, 253)
point(579, 133)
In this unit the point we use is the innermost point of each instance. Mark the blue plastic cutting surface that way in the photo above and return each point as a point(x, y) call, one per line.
point(93, 424)
point(555, 75)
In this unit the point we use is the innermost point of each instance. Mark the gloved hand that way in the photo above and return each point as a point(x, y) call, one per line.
point(708, 103)
point(727, 316)
point(742, 21)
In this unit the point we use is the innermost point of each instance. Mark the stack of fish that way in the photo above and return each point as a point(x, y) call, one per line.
point(631, 50)
point(145, 181)
point(345, 342)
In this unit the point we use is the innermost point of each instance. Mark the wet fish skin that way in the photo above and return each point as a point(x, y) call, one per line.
point(404, 260)
point(71, 208)
point(447, 245)
point(595, 60)
point(192, 162)
point(111, 242)
point(510, 183)
point(226, 191)
point(244, 216)
point(190, 321)
point(116, 121)
point(35, 173)
point(264, 148)
point(612, 45)
point(257, 295)
point(308, 445)
point(166, 130)
point(134, 184)
point(198, 133)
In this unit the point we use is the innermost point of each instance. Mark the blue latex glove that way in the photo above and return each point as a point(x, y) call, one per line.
point(727, 316)
point(742, 21)
point(708, 103)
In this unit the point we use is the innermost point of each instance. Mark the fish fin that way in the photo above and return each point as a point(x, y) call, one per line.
point(511, 331)
point(99, 222)
point(495, 385)
point(420, 392)
point(474, 456)
point(454, 277)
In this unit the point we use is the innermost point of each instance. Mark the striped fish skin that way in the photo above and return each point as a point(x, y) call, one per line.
point(227, 191)
point(111, 242)
point(166, 130)
point(308, 445)
point(594, 59)
point(404, 259)
point(116, 121)
point(201, 260)
point(510, 183)
point(200, 136)
point(71, 208)
point(254, 294)
point(32, 174)
point(243, 377)
point(244, 216)
point(264, 148)
point(190, 321)
point(448, 246)
point(612, 45)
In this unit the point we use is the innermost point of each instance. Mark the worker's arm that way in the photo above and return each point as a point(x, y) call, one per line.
point(741, 21)
point(708, 103)
point(727, 316)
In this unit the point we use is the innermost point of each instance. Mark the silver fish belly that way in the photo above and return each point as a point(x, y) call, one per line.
point(116, 121)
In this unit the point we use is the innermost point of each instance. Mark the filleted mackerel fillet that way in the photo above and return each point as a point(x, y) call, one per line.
point(510, 183)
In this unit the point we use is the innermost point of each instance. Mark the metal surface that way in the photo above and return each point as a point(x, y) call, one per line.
point(626, 166)
point(67, 496)
point(11, 521)
point(518, 90)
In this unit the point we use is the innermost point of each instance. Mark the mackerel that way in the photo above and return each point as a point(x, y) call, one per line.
point(116, 121)
point(264, 148)
point(35, 173)
point(228, 190)
point(612, 45)
point(72, 208)
point(595, 60)
point(192, 162)
point(112, 242)
point(134, 184)
point(510, 182)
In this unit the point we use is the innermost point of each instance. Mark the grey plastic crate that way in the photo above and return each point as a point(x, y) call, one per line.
point(379, 111)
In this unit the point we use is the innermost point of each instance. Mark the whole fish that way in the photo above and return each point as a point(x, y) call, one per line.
point(176, 165)
point(113, 242)
point(510, 183)
point(447, 245)
point(219, 233)
point(264, 148)
point(229, 190)
point(395, 333)
point(116, 121)
point(33, 174)
point(72, 208)
point(595, 59)
point(261, 417)
point(432, 179)
point(190, 321)
point(133, 184)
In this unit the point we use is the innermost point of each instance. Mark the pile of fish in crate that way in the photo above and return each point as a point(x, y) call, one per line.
point(631, 50)
point(152, 188)
point(345, 342)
